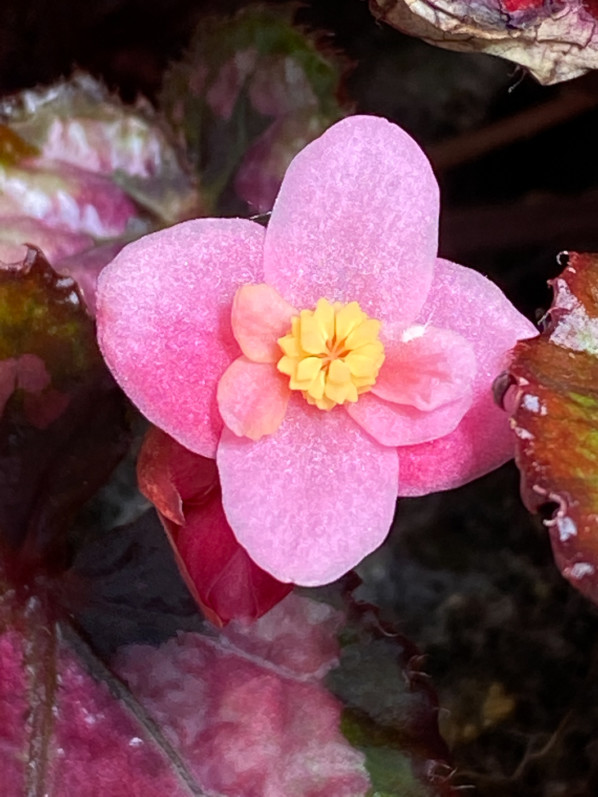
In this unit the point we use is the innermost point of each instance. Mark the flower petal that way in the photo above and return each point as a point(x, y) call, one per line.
point(218, 572)
point(227, 584)
point(309, 502)
point(465, 301)
point(356, 220)
point(401, 425)
point(259, 317)
point(427, 369)
point(164, 321)
point(169, 474)
point(252, 398)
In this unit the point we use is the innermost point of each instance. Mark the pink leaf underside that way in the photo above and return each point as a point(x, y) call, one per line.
point(252, 398)
point(259, 317)
point(310, 501)
point(85, 267)
point(463, 300)
point(164, 327)
point(16, 231)
point(356, 220)
point(422, 391)
point(99, 749)
point(248, 719)
point(66, 197)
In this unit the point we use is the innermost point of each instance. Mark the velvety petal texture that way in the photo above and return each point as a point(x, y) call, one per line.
point(310, 501)
point(468, 303)
point(189, 321)
point(356, 219)
point(427, 368)
point(401, 425)
point(252, 398)
point(164, 306)
point(259, 317)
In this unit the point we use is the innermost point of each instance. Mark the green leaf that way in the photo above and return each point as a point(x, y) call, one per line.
point(390, 710)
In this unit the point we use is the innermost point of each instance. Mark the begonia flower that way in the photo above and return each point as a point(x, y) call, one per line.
point(329, 362)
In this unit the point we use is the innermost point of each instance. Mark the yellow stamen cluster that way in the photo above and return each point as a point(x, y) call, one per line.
point(332, 353)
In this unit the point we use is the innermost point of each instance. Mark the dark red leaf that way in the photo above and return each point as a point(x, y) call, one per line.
point(62, 423)
point(184, 487)
point(555, 419)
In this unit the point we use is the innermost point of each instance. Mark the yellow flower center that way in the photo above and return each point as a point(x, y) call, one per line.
point(332, 353)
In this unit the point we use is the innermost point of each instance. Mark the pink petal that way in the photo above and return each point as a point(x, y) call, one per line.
point(465, 301)
point(252, 398)
point(400, 425)
point(259, 317)
point(427, 369)
point(356, 220)
point(164, 321)
point(309, 502)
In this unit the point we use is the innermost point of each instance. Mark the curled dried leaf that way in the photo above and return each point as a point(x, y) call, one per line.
point(555, 40)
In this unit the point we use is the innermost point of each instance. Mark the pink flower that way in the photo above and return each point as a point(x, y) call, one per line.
point(328, 363)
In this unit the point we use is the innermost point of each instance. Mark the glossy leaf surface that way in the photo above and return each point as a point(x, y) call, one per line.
point(555, 420)
point(291, 704)
point(62, 427)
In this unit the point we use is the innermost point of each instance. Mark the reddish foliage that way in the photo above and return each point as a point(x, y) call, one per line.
point(555, 419)
point(184, 489)
point(522, 5)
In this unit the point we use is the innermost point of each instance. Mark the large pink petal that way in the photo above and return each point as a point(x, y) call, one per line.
point(356, 220)
point(164, 308)
point(465, 301)
point(401, 425)
point(310, 501)
point(252, 398)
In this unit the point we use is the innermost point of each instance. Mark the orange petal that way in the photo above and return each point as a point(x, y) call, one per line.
point(252, 398)
point(259, 317)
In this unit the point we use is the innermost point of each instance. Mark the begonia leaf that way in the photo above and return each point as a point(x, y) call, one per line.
point(62, 421)
point(80, 124)
point(251, 92)
point(387, 708)
point(555, 40)
point(555, 419)
point(270, 707)
point(81, 174)
point(185, 489)
point(124, 586)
